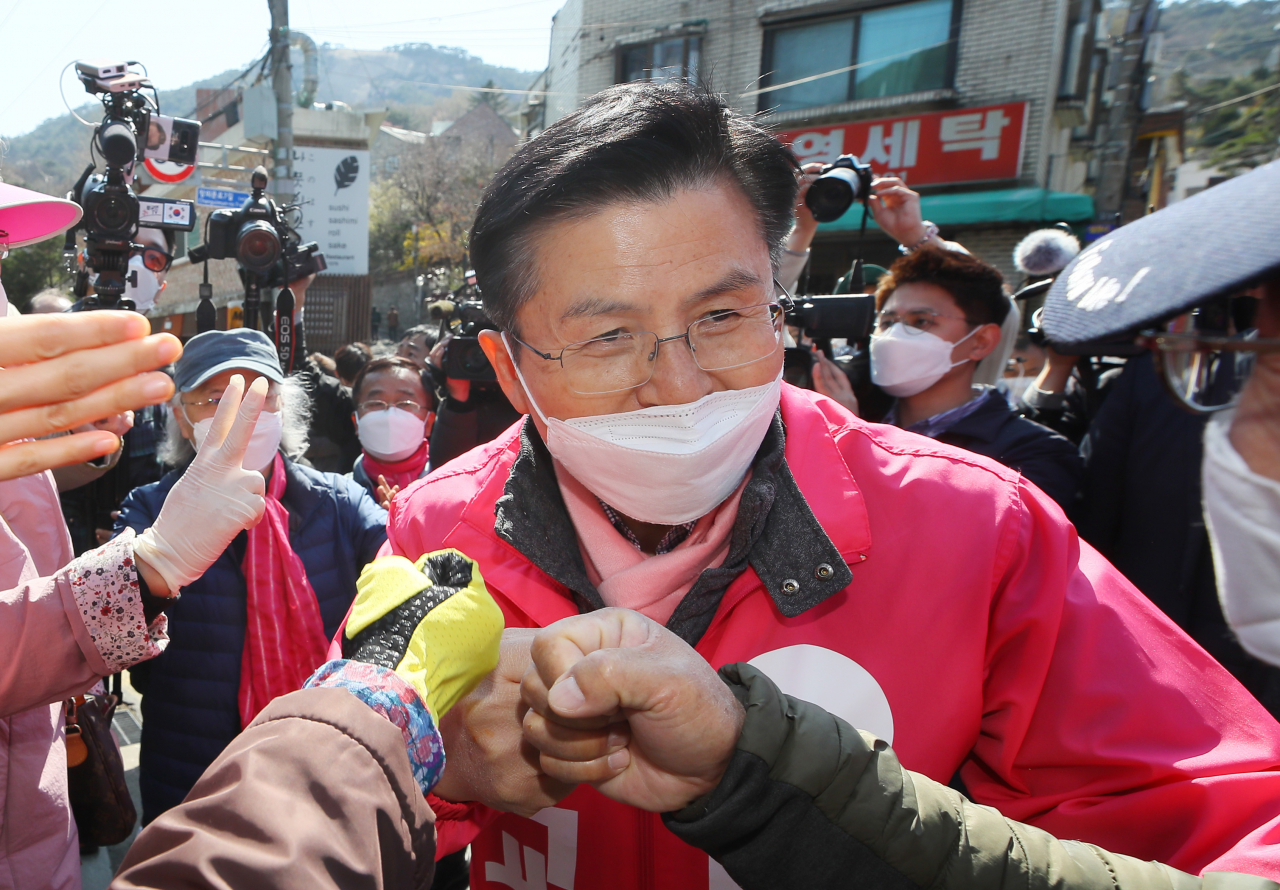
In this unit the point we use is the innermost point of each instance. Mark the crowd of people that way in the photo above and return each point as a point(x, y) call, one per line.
point(632, 611)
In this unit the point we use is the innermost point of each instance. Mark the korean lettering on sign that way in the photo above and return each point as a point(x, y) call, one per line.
point(965, 145)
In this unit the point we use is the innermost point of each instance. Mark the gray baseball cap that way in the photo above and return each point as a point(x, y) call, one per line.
point(216, 351)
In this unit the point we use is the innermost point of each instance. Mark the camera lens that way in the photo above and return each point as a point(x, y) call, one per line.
point(117, 142)
point(832, 193)
point(257, 245)
point(113, 214)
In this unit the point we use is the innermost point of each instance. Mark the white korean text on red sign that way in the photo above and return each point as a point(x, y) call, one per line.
point(965, 145)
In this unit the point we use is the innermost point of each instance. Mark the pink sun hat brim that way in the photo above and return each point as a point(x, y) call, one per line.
point(30, 216)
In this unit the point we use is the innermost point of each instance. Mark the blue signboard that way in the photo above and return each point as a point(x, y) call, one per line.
point(213, 197)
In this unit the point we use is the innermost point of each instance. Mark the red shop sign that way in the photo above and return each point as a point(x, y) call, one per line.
point(964, 145)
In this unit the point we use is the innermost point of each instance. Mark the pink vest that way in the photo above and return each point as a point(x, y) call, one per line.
point(978, 634)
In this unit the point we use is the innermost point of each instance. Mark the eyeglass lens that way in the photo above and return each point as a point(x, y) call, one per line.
point(379, 405)
point(1210, 380)
point(155, 259)
point(721, 341)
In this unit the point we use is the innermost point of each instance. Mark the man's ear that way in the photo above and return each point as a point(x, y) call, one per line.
point(982, 343)
point(496, 351)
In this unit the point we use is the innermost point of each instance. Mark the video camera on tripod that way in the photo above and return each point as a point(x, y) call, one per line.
point(269, 251)
point(132, 128)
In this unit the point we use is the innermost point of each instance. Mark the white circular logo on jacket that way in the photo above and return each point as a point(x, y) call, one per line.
point(833, 682)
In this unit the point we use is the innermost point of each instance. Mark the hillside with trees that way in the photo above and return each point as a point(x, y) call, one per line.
point(416, 82)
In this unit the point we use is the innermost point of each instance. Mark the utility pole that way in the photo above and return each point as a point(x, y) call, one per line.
point(282, 82)
point(1128, 57)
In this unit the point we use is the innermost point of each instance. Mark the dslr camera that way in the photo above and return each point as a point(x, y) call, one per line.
point(132, 128)
point(463, 357)
point(834, 316)
point(260, 239)
point(837, 187)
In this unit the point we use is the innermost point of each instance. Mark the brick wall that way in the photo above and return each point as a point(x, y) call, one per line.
point(1009, 50)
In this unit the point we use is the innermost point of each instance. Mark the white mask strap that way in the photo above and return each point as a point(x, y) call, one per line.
point(527, 394)
point(961, 340)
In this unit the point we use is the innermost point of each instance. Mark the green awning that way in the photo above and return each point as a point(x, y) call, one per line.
point(1034, 205)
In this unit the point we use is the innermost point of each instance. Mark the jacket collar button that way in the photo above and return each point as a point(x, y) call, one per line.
point(791, 587)
point(823, 572)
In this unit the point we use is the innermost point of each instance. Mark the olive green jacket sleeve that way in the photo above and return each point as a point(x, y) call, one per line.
point(810, 802)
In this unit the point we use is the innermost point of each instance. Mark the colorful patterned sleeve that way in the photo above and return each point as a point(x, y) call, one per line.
point(105, 585)
point(393, 698)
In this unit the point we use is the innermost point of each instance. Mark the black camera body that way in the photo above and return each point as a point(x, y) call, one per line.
point(837, 187)
point(834, 316)
point(112, 211)
point(259, 238)
point(463, 358)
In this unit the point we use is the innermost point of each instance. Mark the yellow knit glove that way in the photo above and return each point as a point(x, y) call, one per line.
point(432, 622)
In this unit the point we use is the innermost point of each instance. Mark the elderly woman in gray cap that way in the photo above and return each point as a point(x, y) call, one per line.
point(258, 622)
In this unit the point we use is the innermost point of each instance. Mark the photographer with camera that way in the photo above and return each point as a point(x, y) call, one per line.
point(940, 314)
point(473, 409)
point(395, 412)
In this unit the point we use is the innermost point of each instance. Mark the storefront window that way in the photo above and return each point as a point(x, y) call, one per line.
point(673, 59)
point(905, 48)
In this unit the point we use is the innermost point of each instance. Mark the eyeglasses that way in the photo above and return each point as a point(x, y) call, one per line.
point(210, 406)
point(1205, 374)
point(1205, 356)
point(155, 259)
point(379, 405)
point(915, 321)
point(724, 339)
point(4, 245)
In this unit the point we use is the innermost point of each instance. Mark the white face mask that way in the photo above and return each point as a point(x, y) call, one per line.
point(144, 292)
point(264, 442)
point(669, 464)
point(905, 363)
point(391, 435)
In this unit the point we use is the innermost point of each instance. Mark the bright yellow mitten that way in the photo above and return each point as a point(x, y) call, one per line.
point(433, 623)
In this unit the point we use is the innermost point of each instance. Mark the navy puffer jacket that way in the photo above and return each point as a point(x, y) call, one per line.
point(190, 694)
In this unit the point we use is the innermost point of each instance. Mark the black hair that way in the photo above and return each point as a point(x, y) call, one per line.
point(391, 363)
point(632, 142)
point(977, 287)
point(350, 358)
point(430, 332)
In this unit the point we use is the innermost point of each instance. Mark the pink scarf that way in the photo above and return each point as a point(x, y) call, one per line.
point(631, 579)
point(284, 640)
point(401, 473)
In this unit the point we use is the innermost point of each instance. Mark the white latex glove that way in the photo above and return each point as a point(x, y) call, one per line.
point(215, 499)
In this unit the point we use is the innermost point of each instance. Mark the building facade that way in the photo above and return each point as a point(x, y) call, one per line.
point(989, 108)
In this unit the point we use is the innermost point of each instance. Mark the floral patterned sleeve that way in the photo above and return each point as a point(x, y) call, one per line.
point(105, 584)
point(393, 698)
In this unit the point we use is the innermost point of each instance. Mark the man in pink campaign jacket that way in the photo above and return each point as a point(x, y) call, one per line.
point(924, 594)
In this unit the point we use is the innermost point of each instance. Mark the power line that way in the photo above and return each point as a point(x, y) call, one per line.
point(845, 70)
point(1274, 86)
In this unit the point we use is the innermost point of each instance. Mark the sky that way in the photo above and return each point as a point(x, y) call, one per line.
point(178, 45)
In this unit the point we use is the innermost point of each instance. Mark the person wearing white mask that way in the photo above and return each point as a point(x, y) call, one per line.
point(940, 314)
point(151, 258)
point(925, 594)
point(258, 622)
point(394, 415)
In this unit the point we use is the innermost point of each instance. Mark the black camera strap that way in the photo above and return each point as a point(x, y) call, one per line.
point(284, 329)
point(206, 315)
